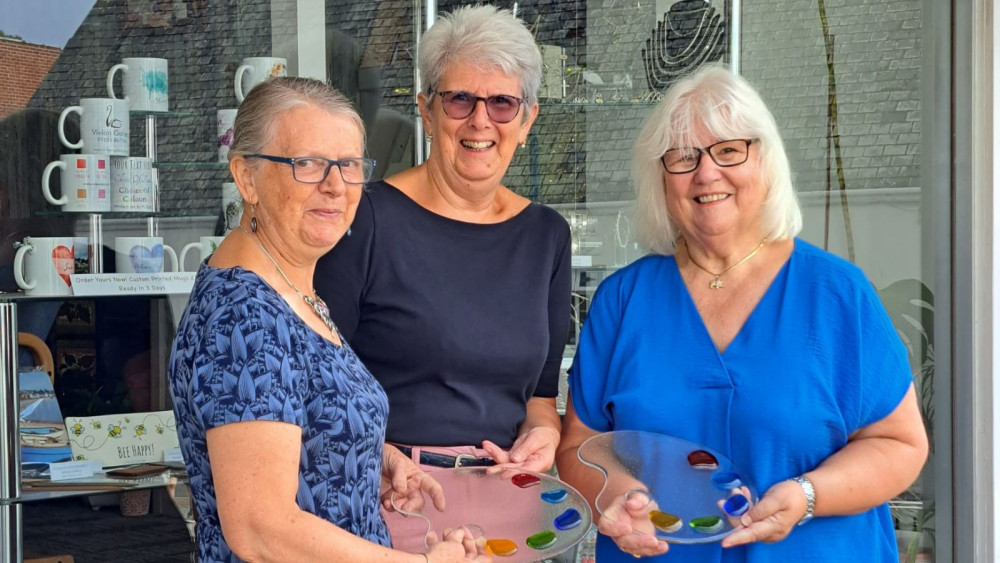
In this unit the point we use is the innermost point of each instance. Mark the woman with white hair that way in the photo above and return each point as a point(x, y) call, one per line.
point(736, 335)
point(454, 290)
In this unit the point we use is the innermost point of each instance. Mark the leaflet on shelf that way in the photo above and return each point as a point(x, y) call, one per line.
point(92, 285)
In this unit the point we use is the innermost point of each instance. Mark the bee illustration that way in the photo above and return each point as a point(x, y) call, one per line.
point(159, 429)
point(115, 431)
point(140, 430)
point(96, 424)
point(76, 429)
point(80, 457)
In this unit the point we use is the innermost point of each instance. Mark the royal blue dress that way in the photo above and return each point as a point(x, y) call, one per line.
point(816, 360)
point(242, 354)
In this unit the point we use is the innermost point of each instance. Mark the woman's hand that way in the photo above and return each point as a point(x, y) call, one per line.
point(626, 521)
point(771, 519)
point(458, 545)
point(407, 483)
point(534, 450)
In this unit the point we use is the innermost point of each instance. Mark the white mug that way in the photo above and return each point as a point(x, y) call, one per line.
point(232, 205)
point(133, 188)
point(224, 120)
point(142, 255)
point(86, 183)
point(43, 265)
point(144, 81)
point(254, 70)
point(103, 126)
point(205, 245)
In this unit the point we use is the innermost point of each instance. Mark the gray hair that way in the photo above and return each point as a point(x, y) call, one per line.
point(487, 37)
point(257, 119)
point(727, 107)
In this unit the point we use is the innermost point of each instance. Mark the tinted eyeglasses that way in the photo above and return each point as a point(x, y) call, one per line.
point(724, 153)
point(459, 105)
point(314, 169)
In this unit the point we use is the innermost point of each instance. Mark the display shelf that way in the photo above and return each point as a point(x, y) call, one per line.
point(98, 484)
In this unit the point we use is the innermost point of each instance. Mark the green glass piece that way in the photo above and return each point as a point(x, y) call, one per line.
point(541, 540)
point(707, 524)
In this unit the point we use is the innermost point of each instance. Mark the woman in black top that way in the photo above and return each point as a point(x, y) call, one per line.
point(454, 290)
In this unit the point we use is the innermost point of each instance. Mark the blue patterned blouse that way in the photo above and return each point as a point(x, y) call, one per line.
point(242, 354)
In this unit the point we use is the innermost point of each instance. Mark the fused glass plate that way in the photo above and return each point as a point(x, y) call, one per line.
point(693, 487)
point(524, 516)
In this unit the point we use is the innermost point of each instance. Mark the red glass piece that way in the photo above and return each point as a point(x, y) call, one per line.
point(700, 459)
point(525, 480)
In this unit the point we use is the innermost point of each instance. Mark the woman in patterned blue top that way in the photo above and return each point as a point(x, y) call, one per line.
point(736, 335)
point(281, 426)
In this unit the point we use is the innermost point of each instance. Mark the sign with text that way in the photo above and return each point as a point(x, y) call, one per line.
point(93, 285)
point(122, 439)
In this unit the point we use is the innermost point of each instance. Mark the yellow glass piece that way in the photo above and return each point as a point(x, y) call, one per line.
point(665, 522)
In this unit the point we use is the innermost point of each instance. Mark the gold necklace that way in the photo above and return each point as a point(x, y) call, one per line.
point(717, 282)
point(317, 304)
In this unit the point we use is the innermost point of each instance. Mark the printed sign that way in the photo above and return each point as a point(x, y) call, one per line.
point(122, 439)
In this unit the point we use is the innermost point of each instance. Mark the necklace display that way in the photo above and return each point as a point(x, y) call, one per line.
point(717, 283)
point(317, 304)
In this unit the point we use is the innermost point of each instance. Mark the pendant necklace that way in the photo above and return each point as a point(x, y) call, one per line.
point(317, 304)
point(717, 282)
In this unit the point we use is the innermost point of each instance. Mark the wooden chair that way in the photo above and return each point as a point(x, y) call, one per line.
point(40, 353)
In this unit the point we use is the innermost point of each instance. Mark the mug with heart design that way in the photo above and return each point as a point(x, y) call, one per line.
point(143, 255)
point(43, 265)
point(205, 245)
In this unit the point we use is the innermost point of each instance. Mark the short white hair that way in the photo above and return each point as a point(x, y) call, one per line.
point(727, 107)
point(486, 37)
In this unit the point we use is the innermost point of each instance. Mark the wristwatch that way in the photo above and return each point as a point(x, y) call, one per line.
point(807, 488)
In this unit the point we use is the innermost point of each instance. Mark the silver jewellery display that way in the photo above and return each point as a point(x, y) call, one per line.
point(691, 33)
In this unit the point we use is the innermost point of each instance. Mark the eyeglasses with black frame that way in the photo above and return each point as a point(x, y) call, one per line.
point(315, 169)
point(724, 153)
point(458, 105)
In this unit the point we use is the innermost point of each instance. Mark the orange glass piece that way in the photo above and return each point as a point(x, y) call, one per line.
point(501, 547)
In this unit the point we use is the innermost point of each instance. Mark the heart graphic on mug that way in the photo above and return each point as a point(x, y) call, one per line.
point(62, 259)
point(145, 260)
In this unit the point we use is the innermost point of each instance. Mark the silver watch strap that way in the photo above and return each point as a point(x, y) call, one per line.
point(810, 492)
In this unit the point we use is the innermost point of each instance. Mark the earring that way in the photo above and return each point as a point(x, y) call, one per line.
point(430, 137)
point(253, 218)
point(524, 143)
point(348, 231)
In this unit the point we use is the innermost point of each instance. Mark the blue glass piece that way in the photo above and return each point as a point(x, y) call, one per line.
point(568, 520)
point(726, 480)
point(554, 497)
point(736, 505)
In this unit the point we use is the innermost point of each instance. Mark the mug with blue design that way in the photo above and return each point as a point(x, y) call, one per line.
point(142, 255)
point(144, 82)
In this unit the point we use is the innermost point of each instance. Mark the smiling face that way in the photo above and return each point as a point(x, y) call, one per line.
point(474, 150)
point(304, 219)
point(715, 201)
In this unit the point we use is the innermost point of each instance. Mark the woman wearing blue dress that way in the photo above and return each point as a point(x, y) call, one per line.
point(281, 426)
point(736, 335)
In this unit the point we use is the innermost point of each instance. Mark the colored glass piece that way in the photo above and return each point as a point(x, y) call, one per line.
point(700, 459)
point(707, 524)
point(501, 547)
point(726, 480)
point(664, 521)
point(736, 505)
point(525, 480)
point(541, 540)
point(568, 520)
point(555, 497)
